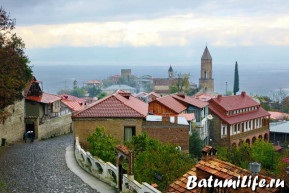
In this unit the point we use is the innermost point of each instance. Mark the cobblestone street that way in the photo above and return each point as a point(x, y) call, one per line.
point(39, 167)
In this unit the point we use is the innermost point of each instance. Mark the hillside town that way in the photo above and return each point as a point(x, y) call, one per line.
point(167, 113)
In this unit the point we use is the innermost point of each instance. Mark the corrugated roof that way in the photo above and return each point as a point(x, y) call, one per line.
point(116, 105)
point(279, 127)
point(44, 98)
point(190, 100)
point(206, 55)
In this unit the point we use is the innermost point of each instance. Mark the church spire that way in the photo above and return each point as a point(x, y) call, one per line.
point(206, 55)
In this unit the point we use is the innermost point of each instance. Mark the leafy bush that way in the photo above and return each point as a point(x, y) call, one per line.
point(153, 158)
point(102, 145)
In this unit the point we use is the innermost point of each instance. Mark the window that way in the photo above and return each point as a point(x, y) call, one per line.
point(129, 132)
point(224, 131)
point(238, 128)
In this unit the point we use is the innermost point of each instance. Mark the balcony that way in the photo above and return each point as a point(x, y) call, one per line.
point(248, 133)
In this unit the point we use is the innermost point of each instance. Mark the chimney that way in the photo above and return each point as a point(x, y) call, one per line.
point(255, 168)
point(243, 94)
point(181, 95)
point(219, 97)
point(208, 152)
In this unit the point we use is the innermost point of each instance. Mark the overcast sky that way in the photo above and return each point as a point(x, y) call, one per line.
point(133, 32)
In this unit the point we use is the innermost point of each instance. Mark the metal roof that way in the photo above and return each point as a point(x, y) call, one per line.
point(279, 127)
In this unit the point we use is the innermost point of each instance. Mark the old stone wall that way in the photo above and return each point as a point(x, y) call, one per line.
point(55, 126)
point(13, 128)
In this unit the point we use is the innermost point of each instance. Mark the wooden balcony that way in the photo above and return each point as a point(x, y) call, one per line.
point(248, 133)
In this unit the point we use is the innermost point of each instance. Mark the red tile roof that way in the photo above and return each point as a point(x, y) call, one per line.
point(278, 115)
point(204, 96)
point(71, 98)
point(222, 104)
point(119, 104)
point(73, 105)
point(44, 98)
point(235, 102)
point(240, 117)
point(219, 169)
point(179, 186)
point(172, 104)
point(226, 170)
point(190, 100)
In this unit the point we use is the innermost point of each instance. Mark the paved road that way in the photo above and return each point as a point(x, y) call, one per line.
point(40, 167)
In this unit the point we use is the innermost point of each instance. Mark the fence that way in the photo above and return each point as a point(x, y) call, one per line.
point(108, 173)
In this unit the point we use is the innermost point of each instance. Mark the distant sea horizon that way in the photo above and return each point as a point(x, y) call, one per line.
point(253, 80)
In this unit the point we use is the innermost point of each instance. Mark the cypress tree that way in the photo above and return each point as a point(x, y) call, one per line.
point(236, 79)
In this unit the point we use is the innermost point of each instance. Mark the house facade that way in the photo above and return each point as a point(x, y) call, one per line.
point(166, 105)
point(121, 114)
point(200, 110)
point(237, 119)
point(180, 104)
point(43, 114)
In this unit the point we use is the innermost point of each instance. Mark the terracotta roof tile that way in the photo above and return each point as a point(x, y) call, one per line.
point(219, 169)
point(44, 98)
point(71, 98)
point(116, 105)
point(172, 104)
point(222, 104)
point(73, 105)
point(190, 100)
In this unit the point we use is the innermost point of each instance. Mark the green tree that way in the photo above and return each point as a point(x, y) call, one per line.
point(93, 91)
point(195, 145)
point(261, 151)
point(14, 72)
point(170, 165)
point(265, 102)
point(265, 153)
point(78, 92)
point(285, 105)
point(101, 95)
point(102, 145)
point(181, 83)
point(236, 79)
